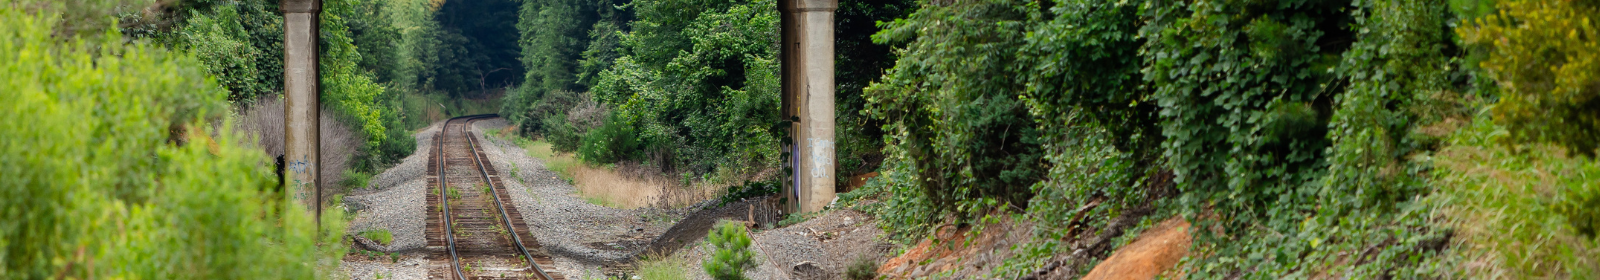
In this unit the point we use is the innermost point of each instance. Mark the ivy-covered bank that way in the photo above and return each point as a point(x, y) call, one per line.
point(1299, 133)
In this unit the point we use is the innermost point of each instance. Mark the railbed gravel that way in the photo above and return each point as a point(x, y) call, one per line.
point(393, 200)
point(586, 240)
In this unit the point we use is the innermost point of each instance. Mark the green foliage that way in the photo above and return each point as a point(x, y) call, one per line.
point(553, 38)
point(1517, 213)
point(1082, 68)
point(344, 85)
point(614, 141)
point(356, 179)
point(858, 136)
point(750, 190)
point(664, 268)
point(1286, 124)
point(962, 140)
point(699, 81)
point(543, 112)
point(1244, 90)
point(731, 254)
point(223, 44)
point(1543, 54)
point(112, 162)
point(478, 48)
point(1578, 205)
point(382, 236)
point(241, 44)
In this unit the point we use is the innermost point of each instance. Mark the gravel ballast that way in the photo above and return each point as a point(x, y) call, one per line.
point(587, 240)
point(394, 200)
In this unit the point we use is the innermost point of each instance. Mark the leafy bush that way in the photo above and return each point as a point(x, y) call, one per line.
point(223, 44)
point(731, 255)
point(699, 81)
point(964, 140)
point(112, 164)
point(614, 141)
point(1244, 100)
point(1542, 53)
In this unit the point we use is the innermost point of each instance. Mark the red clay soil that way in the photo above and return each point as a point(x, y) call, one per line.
point(956, 258)
point(1157, 250)
point(857, 181)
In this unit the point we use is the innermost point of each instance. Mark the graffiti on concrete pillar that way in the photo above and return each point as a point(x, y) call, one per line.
point(300, 168)
point(821, 157)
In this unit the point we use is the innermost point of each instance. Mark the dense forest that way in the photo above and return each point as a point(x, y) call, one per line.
point(1306, 139)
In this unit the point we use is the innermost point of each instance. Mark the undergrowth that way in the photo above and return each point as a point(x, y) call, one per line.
point(1509, 209)
point(382, 236)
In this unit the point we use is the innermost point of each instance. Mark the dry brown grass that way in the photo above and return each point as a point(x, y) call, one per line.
point(263, 121)
point(623, 185)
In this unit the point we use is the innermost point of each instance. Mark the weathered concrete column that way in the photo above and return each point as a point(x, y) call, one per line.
point(808, 95)
point(301, 108)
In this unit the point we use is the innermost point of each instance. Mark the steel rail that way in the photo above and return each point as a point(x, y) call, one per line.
point(505, 218)
point(483, 172)
point(444, 204)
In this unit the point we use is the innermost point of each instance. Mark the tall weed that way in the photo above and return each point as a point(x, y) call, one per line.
point(1510, 208)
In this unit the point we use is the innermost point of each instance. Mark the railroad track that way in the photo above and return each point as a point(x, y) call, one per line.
point(474, 231)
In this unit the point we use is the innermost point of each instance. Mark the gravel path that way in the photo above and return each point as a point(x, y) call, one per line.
point(394, 201)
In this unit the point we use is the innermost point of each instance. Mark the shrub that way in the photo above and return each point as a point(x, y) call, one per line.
point(561, 135)
point(1542, 53)
point(614, 141)
point(1242, 100)
point(113, 168)
point(963, 138)
point(731, 255)
point(356, 179)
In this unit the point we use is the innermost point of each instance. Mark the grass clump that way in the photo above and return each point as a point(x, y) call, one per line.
point(663, 268)
point(382, 236)
point(356, 179)
point(863, 268)
point(1519, 214)
point(731, 255)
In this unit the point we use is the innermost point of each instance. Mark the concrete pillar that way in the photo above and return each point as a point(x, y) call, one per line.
point(301, 108)
point(808, 96)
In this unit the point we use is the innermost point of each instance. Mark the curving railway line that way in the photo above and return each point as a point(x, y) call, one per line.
point(471, 226)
